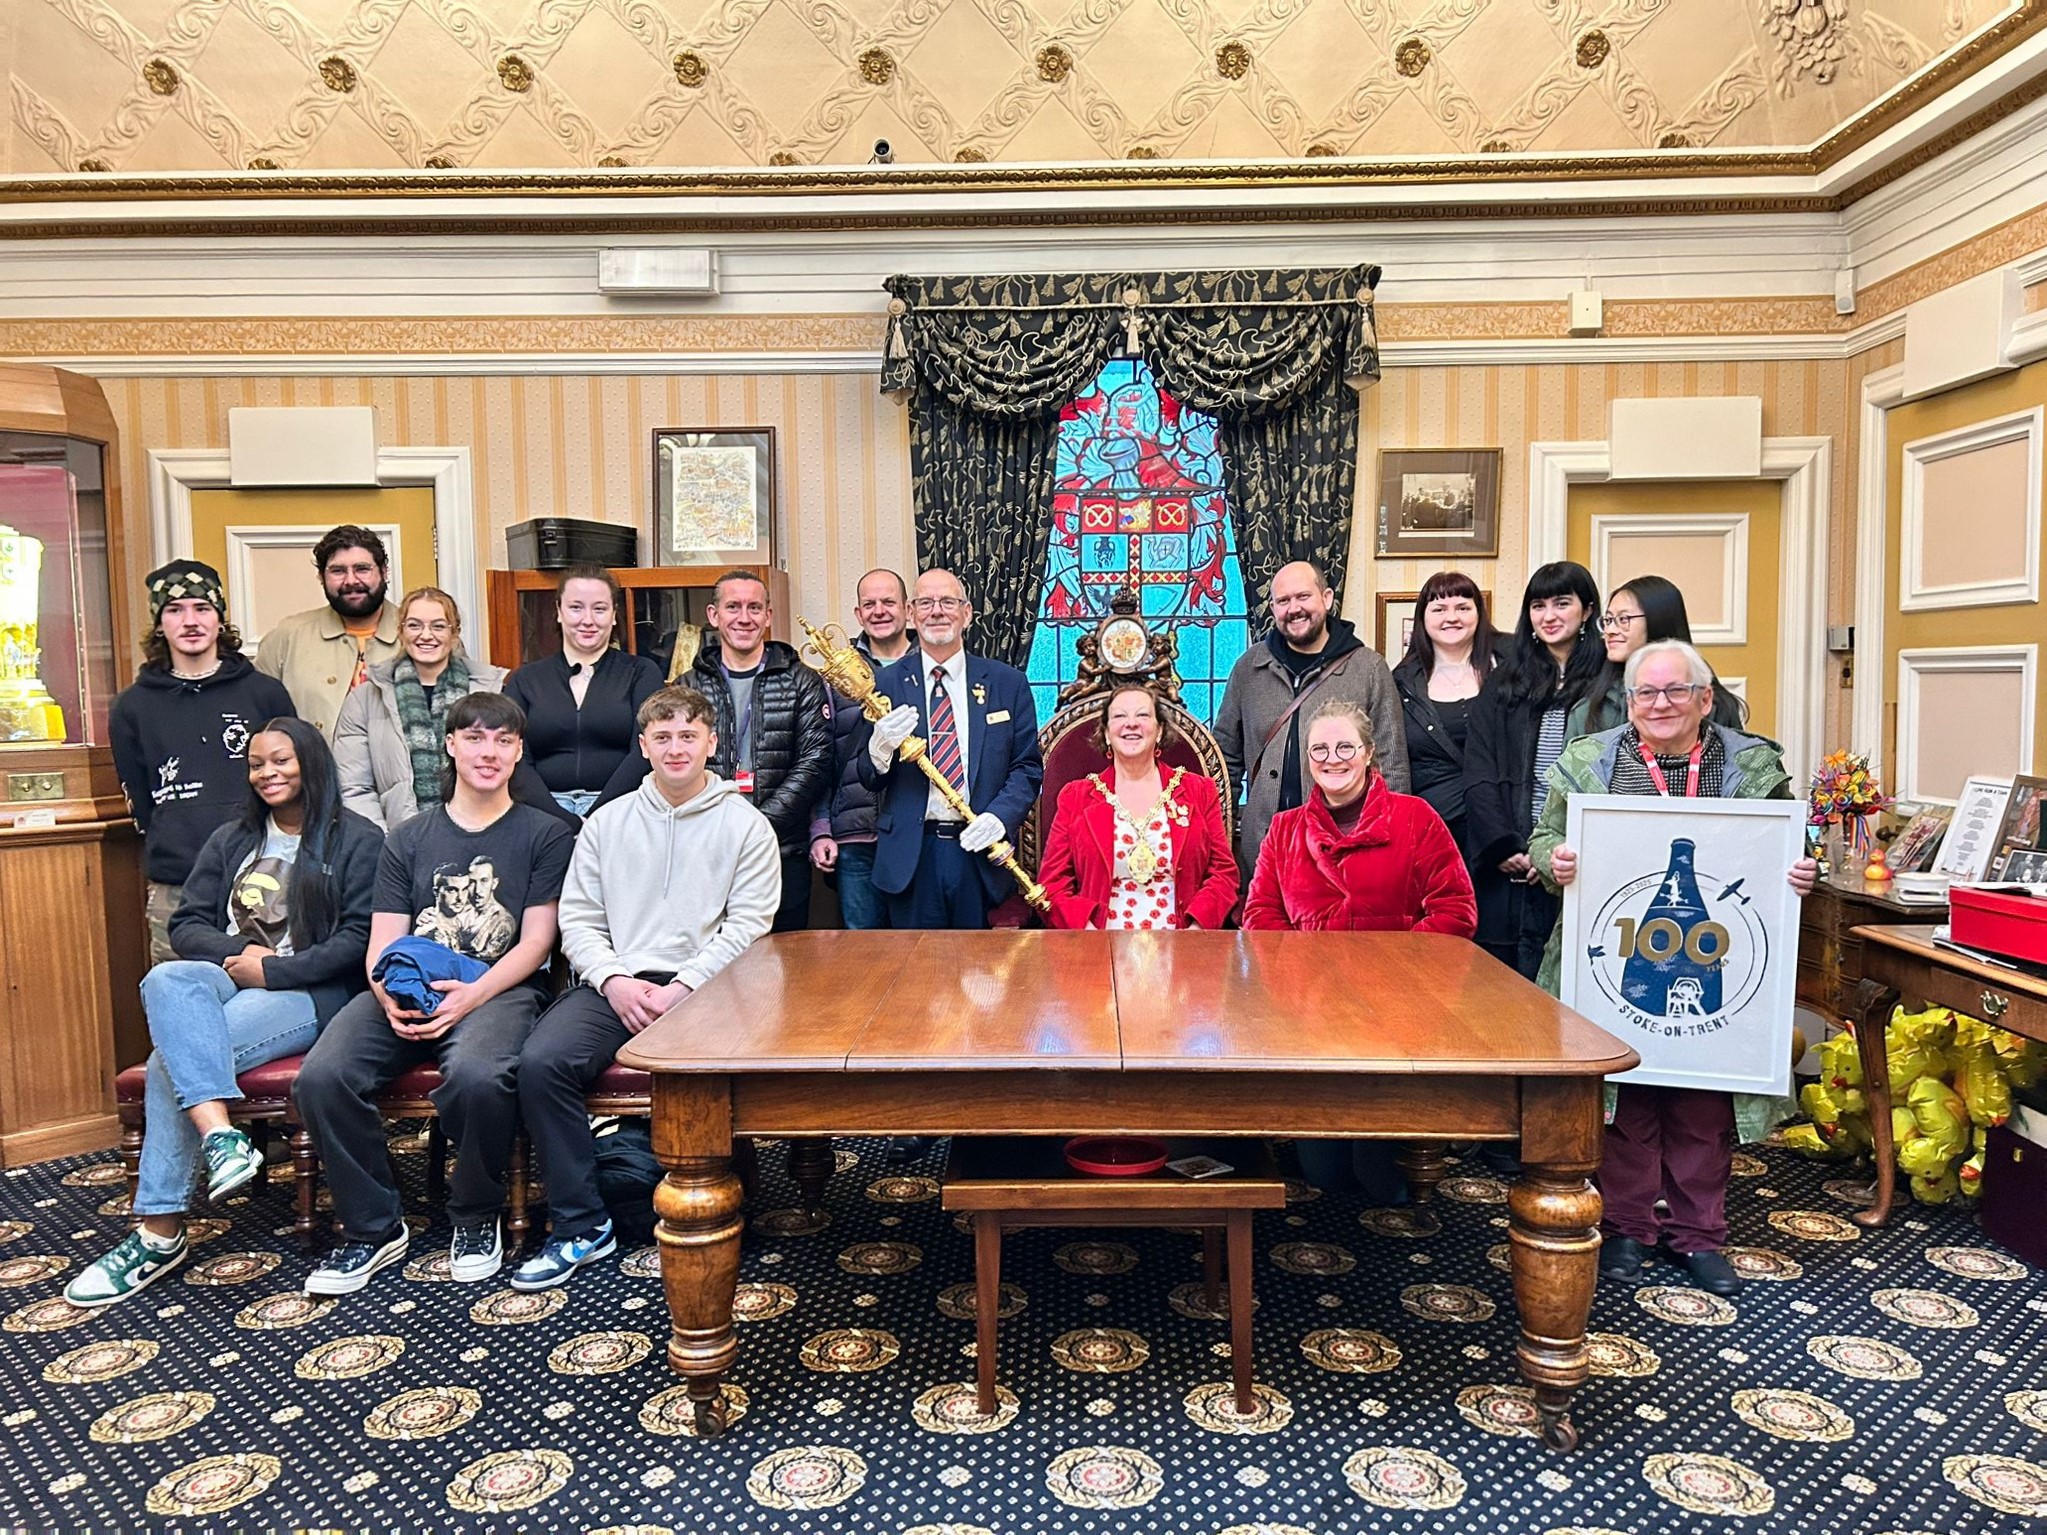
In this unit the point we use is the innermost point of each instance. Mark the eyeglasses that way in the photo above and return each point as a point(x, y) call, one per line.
point(1676, 692)
point(1618, 620)
point(939, 604)
point(1341, 751)
point(438, 626)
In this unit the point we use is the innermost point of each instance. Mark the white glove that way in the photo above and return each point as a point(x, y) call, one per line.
point(984, 831)
point(890, 732)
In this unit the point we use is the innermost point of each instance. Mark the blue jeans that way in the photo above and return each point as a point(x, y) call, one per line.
point(205, 1029)
point(860, 904)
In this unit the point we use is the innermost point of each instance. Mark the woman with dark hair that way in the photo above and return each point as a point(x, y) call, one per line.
point(1141, 846)
point(1449, 656)
point(1639, 612)
point(1517, 731)
point(271, 935)
point(582, 703)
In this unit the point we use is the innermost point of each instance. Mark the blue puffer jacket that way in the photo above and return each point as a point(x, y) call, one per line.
point(410, 966)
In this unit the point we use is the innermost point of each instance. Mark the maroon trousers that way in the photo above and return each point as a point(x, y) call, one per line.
point(1675, 1144)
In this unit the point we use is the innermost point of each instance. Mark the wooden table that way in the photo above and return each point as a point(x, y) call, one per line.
point(1901, 962)
point(1407, 1036)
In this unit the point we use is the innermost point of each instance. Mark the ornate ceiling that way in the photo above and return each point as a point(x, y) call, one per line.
point(204, 86)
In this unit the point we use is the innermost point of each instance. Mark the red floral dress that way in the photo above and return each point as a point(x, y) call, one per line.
point(1152, 905)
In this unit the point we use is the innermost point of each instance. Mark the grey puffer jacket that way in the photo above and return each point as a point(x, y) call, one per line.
point(370, 753)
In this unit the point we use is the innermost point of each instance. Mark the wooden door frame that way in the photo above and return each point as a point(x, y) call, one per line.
point(1804, 467)
point(174, 473)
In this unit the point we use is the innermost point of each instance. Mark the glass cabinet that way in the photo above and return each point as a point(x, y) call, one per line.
point(57, 644)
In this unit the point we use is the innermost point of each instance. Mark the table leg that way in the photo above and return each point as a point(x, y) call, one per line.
point(811, 1165)
point(1425, 1163)
point(1240, 1309)
point(698, 1203)
point(1872, 1028)
point(987, 1303)
point(1554, 1233)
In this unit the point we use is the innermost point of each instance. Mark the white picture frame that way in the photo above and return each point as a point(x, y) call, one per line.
point(1704, 993)
point(1971, 840)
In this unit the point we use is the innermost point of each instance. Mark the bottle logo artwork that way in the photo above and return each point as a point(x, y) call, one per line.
point(1674, 963)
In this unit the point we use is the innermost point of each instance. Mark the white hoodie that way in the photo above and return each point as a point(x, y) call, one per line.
point(655, 887)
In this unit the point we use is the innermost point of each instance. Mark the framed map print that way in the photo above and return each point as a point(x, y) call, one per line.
point(714, 495)
point(1680, 935)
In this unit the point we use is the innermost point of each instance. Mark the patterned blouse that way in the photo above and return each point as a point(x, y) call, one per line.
point(1148, 905)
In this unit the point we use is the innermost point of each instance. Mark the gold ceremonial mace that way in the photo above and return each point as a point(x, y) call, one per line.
point(846, 669)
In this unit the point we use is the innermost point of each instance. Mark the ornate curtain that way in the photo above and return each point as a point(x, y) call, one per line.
point(989, 363)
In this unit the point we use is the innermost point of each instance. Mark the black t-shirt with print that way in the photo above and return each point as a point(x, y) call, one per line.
point(469, 890)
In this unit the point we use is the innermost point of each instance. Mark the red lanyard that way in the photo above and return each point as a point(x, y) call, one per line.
point(1691, 775)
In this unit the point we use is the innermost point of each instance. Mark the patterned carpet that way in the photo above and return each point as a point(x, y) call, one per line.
point(1865, 1383)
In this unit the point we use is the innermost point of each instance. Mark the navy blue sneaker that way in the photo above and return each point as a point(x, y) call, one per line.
point(560, 1257)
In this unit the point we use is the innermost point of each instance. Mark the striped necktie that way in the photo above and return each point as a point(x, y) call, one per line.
point(945, 733)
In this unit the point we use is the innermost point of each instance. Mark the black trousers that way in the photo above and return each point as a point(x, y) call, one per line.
point(793, 915)
point(946, 891)
point(357, 1055)
point(569, 1049)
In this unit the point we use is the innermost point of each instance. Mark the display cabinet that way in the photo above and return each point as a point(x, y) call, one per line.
point(72, 942)
point(660, 604)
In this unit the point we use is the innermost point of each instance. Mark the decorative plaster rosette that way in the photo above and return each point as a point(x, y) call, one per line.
point(1863, 1358)
point(347, 1358)
point(599, 1353)
point(213, 1485)
point(806, 1477)
point(1709, 1484)
point(1401, 1476)
point(1351, 1351)
point(1100, 1350)
point(955, 1408)
point(98, 1362)
point(149, 1418)
point(509, 1480)
point(1104, 1476)
point(1214, 1407)
point(425, 1413)
point(1686, 1307)
point(671, 1414)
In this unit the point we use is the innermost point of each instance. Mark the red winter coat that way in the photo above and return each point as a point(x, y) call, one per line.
point(1397, 870)
point(1078, 865)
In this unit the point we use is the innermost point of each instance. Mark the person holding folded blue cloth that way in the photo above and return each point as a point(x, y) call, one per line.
point(480, 876)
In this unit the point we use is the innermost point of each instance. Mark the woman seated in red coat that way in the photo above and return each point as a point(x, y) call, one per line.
point(1357, 857)
point(1140, 846)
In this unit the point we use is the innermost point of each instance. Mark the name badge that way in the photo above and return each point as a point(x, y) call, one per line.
point(997, 717)
point(742, 780)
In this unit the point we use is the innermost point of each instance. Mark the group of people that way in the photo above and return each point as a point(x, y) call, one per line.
point(366, 846)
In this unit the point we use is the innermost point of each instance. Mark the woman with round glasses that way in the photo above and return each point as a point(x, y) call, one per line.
point(1669, 1144)
point(389, 743)
point(1139, 847)
point(1640, 612)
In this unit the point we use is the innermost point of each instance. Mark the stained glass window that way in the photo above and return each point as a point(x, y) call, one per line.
point(1139, 502)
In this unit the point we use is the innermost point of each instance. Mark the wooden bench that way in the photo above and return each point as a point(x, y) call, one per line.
point(1007, 1183)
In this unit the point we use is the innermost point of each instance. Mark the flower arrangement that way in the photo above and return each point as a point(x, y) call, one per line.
point(1845, 791)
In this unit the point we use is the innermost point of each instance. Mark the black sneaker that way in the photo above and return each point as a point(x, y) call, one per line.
point(349, 1267)
point(476, 1251)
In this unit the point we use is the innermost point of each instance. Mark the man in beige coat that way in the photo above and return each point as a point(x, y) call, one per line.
point(322, 654)
point(1310, 656)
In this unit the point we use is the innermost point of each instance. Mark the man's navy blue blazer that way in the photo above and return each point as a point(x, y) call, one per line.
point(1003, 765)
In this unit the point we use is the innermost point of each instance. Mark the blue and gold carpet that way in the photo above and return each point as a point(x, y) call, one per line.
point(1864, 1382)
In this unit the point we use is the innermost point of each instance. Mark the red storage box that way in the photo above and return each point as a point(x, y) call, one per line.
point(2015, 1193)
point(1999, 922)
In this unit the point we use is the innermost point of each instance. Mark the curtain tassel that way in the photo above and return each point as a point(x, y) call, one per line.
point(1133, 321)
point(898, 342)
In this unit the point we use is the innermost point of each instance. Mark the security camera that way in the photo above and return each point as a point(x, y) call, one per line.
point(883, 154)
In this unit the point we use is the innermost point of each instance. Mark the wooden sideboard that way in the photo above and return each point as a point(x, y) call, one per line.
point(1830, 953)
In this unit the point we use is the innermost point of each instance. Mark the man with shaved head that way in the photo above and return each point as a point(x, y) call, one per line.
point(1310, 657)
point(980, 729)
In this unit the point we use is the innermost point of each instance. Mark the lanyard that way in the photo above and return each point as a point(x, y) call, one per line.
point(1691, 774)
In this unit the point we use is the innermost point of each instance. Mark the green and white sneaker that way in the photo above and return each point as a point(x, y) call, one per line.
point(231, 1161)
point(134, 1264)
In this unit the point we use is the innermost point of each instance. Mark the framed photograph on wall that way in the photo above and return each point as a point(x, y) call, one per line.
point(714, 495)
point(1680, 935)
point(1439, 501)
point(1398, 614)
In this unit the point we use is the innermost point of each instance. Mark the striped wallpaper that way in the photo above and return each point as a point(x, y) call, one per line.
point(580, 447)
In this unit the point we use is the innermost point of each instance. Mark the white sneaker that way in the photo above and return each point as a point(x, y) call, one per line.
point(476, 1251)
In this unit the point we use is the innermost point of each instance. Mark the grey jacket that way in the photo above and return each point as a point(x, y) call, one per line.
point(370, 754)
point(1258, 695)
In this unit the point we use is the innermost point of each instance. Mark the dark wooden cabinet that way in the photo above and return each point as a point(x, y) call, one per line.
point(659, 601)
point(1829, 953)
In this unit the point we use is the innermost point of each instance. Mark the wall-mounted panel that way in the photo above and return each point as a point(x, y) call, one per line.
point(1971, 522)
point(1963, 710)
point(1707, 557)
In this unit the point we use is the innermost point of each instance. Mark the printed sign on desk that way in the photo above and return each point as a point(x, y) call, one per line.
point(1681, 935)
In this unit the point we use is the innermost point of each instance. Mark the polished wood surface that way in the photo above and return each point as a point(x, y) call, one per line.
point(1829, 948)
point(504, 588)
point(1905, 964)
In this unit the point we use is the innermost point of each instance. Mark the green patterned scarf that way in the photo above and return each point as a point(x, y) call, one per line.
point(425, 728)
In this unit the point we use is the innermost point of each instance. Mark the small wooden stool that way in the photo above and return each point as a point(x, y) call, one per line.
point(1007, 1183)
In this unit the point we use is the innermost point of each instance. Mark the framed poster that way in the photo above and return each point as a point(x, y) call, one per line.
point(1439, 501)
point(1398, 614)
point(1681, 935)
point(2021, 831)
point(714, 496)
point(1971, 839)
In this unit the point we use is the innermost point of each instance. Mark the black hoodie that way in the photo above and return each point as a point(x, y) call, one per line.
point(181, 748)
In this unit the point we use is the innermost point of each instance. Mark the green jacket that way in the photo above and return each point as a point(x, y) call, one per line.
point(1755, 770)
